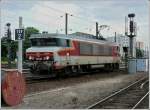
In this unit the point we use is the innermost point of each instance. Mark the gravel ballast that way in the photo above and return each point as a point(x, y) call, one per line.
point(76, 94)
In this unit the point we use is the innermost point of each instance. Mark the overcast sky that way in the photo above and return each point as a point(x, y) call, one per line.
point(49, 15)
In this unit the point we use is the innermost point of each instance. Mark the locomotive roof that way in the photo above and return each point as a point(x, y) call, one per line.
point(72, 37)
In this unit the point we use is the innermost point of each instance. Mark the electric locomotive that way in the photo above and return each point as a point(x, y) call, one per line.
point(54, 53)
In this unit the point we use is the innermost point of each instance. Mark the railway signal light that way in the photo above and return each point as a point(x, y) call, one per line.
point(8, 31)
point(9, 44)
point(130, 30)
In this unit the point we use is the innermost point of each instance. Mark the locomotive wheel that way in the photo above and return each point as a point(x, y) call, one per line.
point(117, 66)
point(74, 69)
point(32, 70)
point(67, 70)
point(89, 68)
point(13, 88)
point(111, 67)
point(83, 68)
point(106, 67)
point(86, 68)
point(80, 70)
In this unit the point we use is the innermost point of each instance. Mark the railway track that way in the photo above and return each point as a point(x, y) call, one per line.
point(129, 97)
point(142, 101)
point(32, 78)
point(35, 78)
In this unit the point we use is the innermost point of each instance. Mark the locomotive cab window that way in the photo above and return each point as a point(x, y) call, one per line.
point(50, 42)
point(44, 42)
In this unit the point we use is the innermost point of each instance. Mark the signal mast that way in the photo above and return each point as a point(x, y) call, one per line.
point(130, 30)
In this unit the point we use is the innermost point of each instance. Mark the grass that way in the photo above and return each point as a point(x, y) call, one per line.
point(4, 61)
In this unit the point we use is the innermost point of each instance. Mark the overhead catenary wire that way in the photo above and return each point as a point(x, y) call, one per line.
point(75, 26)
point(83, 19)
point(89, 26)
point(78, 17)
point(71, 15)
point(57, 10)
point(61, 14)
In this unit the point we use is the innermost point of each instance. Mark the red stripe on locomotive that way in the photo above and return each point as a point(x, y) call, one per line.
point(39, 54)
point(72, 51)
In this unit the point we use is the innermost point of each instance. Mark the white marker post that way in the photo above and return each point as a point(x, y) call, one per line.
point(20, 48)
point(149, 45)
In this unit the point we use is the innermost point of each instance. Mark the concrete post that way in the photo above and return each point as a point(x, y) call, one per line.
point(20, 49)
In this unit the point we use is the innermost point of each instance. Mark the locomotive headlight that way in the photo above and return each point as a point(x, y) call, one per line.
point(30, 58)
point(47, 57)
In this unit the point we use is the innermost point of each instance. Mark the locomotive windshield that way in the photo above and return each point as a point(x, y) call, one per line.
point(50, 42)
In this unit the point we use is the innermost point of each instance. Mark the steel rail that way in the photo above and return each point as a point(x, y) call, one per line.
point(106, 98)
point(34, 79)
point(140, 101)
point(144, 84)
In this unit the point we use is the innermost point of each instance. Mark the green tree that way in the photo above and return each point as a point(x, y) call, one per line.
point(14, 44)
point(139, 53)
point(14, 47)
point(4, 48)
point(28, 32)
